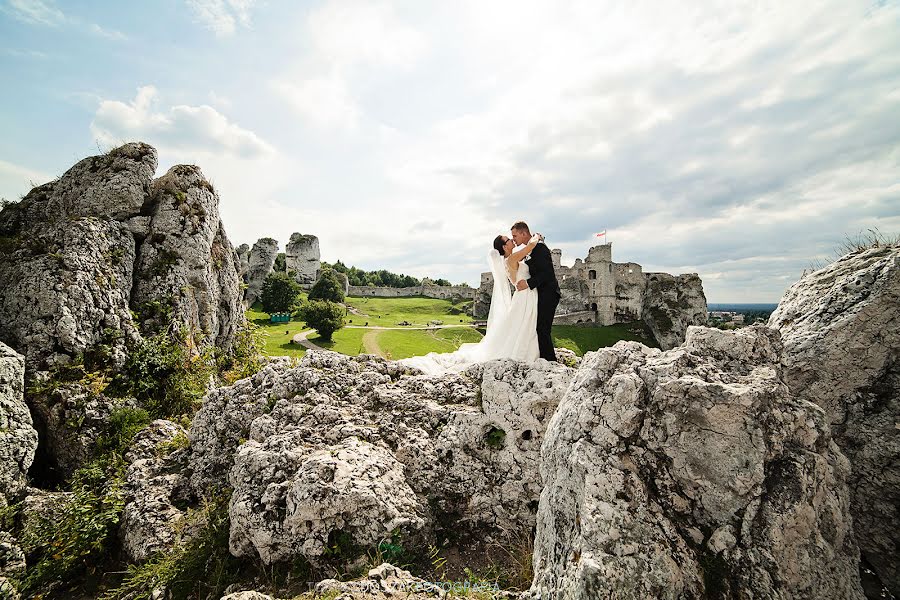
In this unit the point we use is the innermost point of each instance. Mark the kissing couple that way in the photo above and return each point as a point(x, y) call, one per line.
point(523, 303)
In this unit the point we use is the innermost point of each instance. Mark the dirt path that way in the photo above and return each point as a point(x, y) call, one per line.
point(370, 343)
point(300, 338)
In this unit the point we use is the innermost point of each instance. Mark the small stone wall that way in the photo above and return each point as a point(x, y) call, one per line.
point(444, 292)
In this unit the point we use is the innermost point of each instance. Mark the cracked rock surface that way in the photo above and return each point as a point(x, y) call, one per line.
point(692, 473)
point(841, 332)
point(360, 447)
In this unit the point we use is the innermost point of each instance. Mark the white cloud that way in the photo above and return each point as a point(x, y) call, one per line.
point(109, 34)
point(222, 16)
point(35, 12)
point(180, 128)
point(16, 180)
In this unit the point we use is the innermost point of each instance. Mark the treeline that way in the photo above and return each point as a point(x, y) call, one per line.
point(379, 278)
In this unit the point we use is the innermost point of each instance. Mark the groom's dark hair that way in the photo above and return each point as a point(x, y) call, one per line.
point(520, 226)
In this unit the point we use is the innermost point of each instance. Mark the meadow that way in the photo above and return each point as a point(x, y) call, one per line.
point(358, 338)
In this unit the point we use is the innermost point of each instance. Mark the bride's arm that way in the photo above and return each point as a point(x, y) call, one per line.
point(518, 255)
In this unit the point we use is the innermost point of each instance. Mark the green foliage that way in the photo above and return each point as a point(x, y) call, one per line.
point(378, 278)
point(121, 427)
point(179, 442)
point(165, 260)
point(79, 535)
point(246, 356)
point(494, 438)
point(328, 287)
point(442, 282)
point(166, 375)
point(279, 293)
point(280, 263)
point(323, 316)
point(199, 566)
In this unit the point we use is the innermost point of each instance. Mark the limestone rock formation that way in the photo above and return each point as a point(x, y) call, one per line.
point(154, 482)
point(261, 261)
point(243, 260)
point(692, 473)
point(671, 304)
point(303, 259)
point(841, 332)
point(78, 253)
point(359, 447)
point(18, 439)
point(186, 265)
point(72, 417)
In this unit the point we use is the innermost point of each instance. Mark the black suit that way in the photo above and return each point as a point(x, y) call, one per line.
point(543, 278)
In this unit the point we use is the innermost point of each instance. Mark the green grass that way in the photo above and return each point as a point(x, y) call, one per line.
point(345, 341)
point(278, 335)
point(416, 342)
point(587, 339)
point(387, 312)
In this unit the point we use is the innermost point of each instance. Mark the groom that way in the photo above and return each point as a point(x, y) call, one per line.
point(540, 264)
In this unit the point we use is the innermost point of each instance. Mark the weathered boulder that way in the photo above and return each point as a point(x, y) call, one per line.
point(670, 304)
point(18, 439)
point(692, 473)
point(154, 484)
point(72, 418)
point(841, 331)
point(68, 255)
point(77, 254)
point(302, 258)
point(357, 447)
point(260, 264)
point(12, 559)
point(186, 266)
point(247, 596)
point(242, 253)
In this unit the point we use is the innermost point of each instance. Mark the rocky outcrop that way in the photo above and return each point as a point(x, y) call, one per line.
point(243, 260)
point(357, 448)
point(154, 484)
point(671, 304)
point(186, 267)
point(302, 258)
point(18, 439)
point(841, 332)
point(692, 473)
point(261, 262)
point(78, 253)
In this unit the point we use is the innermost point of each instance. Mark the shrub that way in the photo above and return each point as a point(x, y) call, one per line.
point(121, 427)
point(81, 533)
point(165, 375)
point(328, 287)
point(323, 316)
point(197, 567)
point(246, 356)
point(279, 293)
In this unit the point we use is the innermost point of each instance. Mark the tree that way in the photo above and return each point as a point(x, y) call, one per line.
point(279, 293)
point(280, 263)
point(328, 287)
point(323, 316)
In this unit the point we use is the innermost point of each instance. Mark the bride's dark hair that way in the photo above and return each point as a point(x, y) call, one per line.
point(499, 243)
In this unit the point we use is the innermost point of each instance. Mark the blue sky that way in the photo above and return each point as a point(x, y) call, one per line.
point(738, 140)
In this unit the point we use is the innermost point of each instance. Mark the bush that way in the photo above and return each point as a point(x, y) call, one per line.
point(328, 287)
point(165, 376)
point(279, 293)
point(81, 533)
point(323, 316)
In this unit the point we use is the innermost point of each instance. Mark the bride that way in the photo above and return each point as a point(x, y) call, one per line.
point(511, 326)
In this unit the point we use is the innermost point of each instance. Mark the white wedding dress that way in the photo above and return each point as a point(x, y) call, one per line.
point(511, 330)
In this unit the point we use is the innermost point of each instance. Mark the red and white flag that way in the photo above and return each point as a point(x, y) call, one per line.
point(601, 234)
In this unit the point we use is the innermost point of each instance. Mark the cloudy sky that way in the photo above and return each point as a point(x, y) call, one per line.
point(738, 140)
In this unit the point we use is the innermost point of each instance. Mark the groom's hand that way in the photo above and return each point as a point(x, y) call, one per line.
point(521, 285)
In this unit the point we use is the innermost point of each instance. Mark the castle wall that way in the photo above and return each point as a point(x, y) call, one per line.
point(443, 292)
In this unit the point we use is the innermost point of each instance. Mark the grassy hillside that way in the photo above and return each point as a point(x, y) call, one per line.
point(356, 338)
